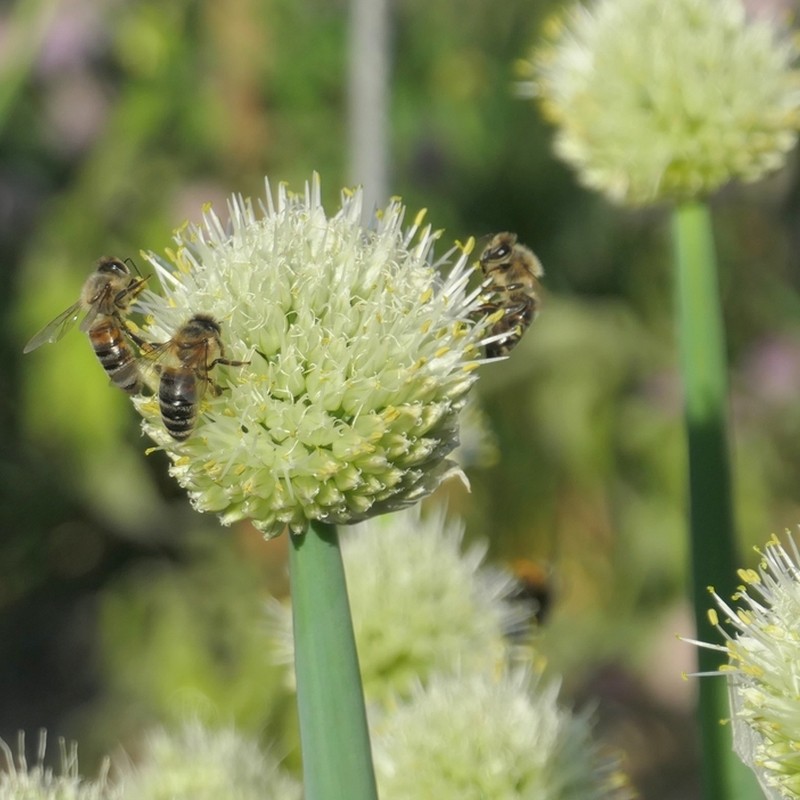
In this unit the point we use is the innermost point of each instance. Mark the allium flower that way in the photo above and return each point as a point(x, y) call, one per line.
point(197, 763)
point(764, 669)
point(419, 604)
point(658, 100)
point(361, 354)
point(487, 735)
point(19, 781)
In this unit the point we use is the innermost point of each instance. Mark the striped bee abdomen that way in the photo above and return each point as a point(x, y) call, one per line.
point(114, 353)
point(177, 397)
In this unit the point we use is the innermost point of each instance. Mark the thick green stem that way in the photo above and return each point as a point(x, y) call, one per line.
point(712, 530)
point(337, 759)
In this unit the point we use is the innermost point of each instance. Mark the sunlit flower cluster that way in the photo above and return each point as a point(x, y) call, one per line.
point(666, 100)
point(764, 668)
point(361, 352)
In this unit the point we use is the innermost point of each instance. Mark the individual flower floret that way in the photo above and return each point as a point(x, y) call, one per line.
point(361, 353)
point(484, 735)
point(764, 668)
point(419, 604)
point(199, 763)
point(658, 100)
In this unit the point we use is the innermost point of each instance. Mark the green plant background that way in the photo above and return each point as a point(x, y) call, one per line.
point(119, 607)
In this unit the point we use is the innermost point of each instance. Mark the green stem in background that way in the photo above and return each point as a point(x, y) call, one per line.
point(337, 759)
point(712, 530)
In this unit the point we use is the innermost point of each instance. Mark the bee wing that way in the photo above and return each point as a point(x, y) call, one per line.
point(91, 314)
point(56, 328)
point(154, 358)
point(153, 352)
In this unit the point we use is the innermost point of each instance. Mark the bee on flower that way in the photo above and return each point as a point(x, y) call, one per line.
point(362, 350)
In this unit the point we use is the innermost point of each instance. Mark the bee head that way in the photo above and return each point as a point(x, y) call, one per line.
point(113, 266)
point(204, 324)
point(499, 248)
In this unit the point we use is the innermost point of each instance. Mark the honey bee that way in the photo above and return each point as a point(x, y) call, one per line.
point(105, 301)
point(512, 272)
point(189, 356)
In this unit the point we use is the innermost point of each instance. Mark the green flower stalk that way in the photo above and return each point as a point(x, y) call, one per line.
point(666, 100)
point(199, 763)
point(763, 668)
point(491, 735)
point(360, 353)
point(421, 604)
point(711, 516)
point(361, 356)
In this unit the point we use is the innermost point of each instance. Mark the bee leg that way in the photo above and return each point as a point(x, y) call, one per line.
point(512, 311)
point(142, 344)
point(133, 288)
point(487, 308)
point(227, 362)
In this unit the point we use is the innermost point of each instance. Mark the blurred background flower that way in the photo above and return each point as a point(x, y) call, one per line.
point(196, 762)
point(21, 780)
point(491, 734)
point(667, 101)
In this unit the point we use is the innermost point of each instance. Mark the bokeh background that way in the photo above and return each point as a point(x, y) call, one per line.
point(120, 607)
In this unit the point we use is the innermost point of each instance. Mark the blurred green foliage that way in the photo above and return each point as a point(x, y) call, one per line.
point(117, 604)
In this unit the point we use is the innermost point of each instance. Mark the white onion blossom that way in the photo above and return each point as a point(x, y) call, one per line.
point(670, 100)
point(492, 735)
point(763, 668)
point(361, 352)
point(198, 762)
point(20, 780)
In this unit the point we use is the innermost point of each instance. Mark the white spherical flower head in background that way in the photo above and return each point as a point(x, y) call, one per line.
point(659, 100)
point(198, 762)
point(498, 734)
point(38, 781)
point(361, 352)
